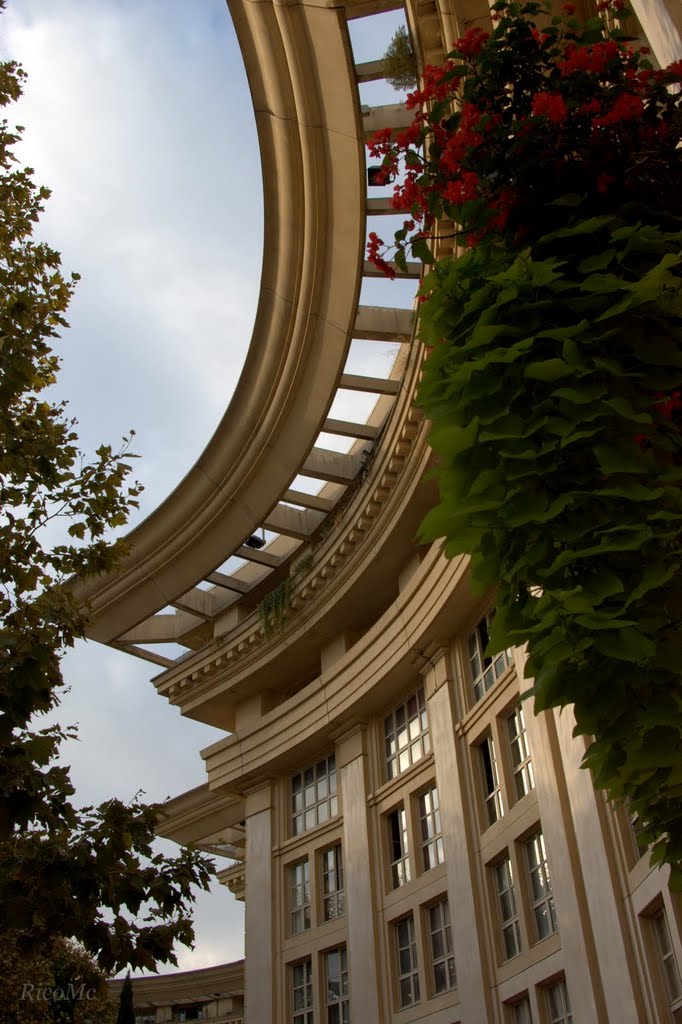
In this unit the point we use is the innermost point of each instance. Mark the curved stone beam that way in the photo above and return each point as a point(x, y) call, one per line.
point(301, 75)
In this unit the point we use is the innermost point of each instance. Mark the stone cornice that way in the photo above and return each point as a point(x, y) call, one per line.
point(395, 472)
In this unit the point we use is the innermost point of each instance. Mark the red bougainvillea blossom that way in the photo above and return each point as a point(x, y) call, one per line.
point(517, 116)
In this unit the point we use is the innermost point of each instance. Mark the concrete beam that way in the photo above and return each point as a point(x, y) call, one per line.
point(366, 8)
point(347, 429)
point(197, 602)
point(258, 556)
point(313, 501)
point(222, 579)
point(161, 628)
point(413, 270)
point(370, 71)
point(140, 652)
point(292, 522)
point(389, 115)
point(375, 385)
point(380, 206)
point(334, 466)
point(383, 323)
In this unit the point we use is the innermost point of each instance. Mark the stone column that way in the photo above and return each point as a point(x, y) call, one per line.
point(599, 968)
point(472, 981)
point(662, 24)
point(259, 923)
point(604, 898)
point(359, 870)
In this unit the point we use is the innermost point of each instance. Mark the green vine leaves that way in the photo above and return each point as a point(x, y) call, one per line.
point(551, 389)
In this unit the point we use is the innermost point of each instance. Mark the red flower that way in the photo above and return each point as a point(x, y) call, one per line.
point(569, 9)
point(550, 105)
point(462, 189)
point(409, 137)
point(472, 42)
point(626, 108)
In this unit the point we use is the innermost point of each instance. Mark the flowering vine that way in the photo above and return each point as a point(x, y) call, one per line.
point(553, 380)
point(520, 116)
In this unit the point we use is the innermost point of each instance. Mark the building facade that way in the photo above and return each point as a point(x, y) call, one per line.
point(212, 994)
point(412, 843)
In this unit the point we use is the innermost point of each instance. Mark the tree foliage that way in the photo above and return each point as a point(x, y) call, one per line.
point(62, 985)
point(84, 873)
point(400, 63)
point(126, 1009)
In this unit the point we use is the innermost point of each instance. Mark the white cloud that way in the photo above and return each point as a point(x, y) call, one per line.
point(138, 117)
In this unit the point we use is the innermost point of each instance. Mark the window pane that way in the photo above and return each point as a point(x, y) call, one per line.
point(406, 732)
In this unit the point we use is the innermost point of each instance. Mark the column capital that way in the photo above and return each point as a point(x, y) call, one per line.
point(350, 741)
point(259, 795)
point(437, 668)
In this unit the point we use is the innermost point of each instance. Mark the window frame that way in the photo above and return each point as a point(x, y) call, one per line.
point(299, 907)
point(488, 770)
point(329, 802)
point(483, 671)
point(399, 870)
point(535, 843)
point(513, 921)
point(659, 914)
point(411, 975)
point(447, 958)
point(391, 731)
point(304, 1014)
point(566, 1009)
point(522, 770)
point(431, 819)
point(336, 896)
point(511, 1008)
point(343, 999)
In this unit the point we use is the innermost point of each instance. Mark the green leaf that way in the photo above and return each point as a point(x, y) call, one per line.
point(626, 645)
point(548, 370)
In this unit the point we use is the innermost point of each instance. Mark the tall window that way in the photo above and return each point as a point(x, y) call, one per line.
point(313, 795)
point(406, 734)
point(431, 837)
point(299, 897)
point(337, 1002)
point(522, 765)
point(408, 972)
point(540, 886)
point(302, 993)
point(332, 883)
point(670, 969)
point(484, 669)
point(511, 933)
point(442, 957)
point(397, 838)
point(558, 1003)
point(520, 1012)
point(492, 796)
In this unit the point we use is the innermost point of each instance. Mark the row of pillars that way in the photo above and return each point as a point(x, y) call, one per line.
point(594, 956)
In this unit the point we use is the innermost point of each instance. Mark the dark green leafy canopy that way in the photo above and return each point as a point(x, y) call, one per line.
point(554, 392)
point(88, 874)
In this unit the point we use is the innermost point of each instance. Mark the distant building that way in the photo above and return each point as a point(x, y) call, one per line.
point(214, 994)
point(412, 843)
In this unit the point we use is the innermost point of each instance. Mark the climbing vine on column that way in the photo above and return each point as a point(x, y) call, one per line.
point(554, 380)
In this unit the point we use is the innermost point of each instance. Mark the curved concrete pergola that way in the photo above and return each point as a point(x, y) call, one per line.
point(311, 141)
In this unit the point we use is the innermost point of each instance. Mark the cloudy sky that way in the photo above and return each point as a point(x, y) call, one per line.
point(138, 117)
